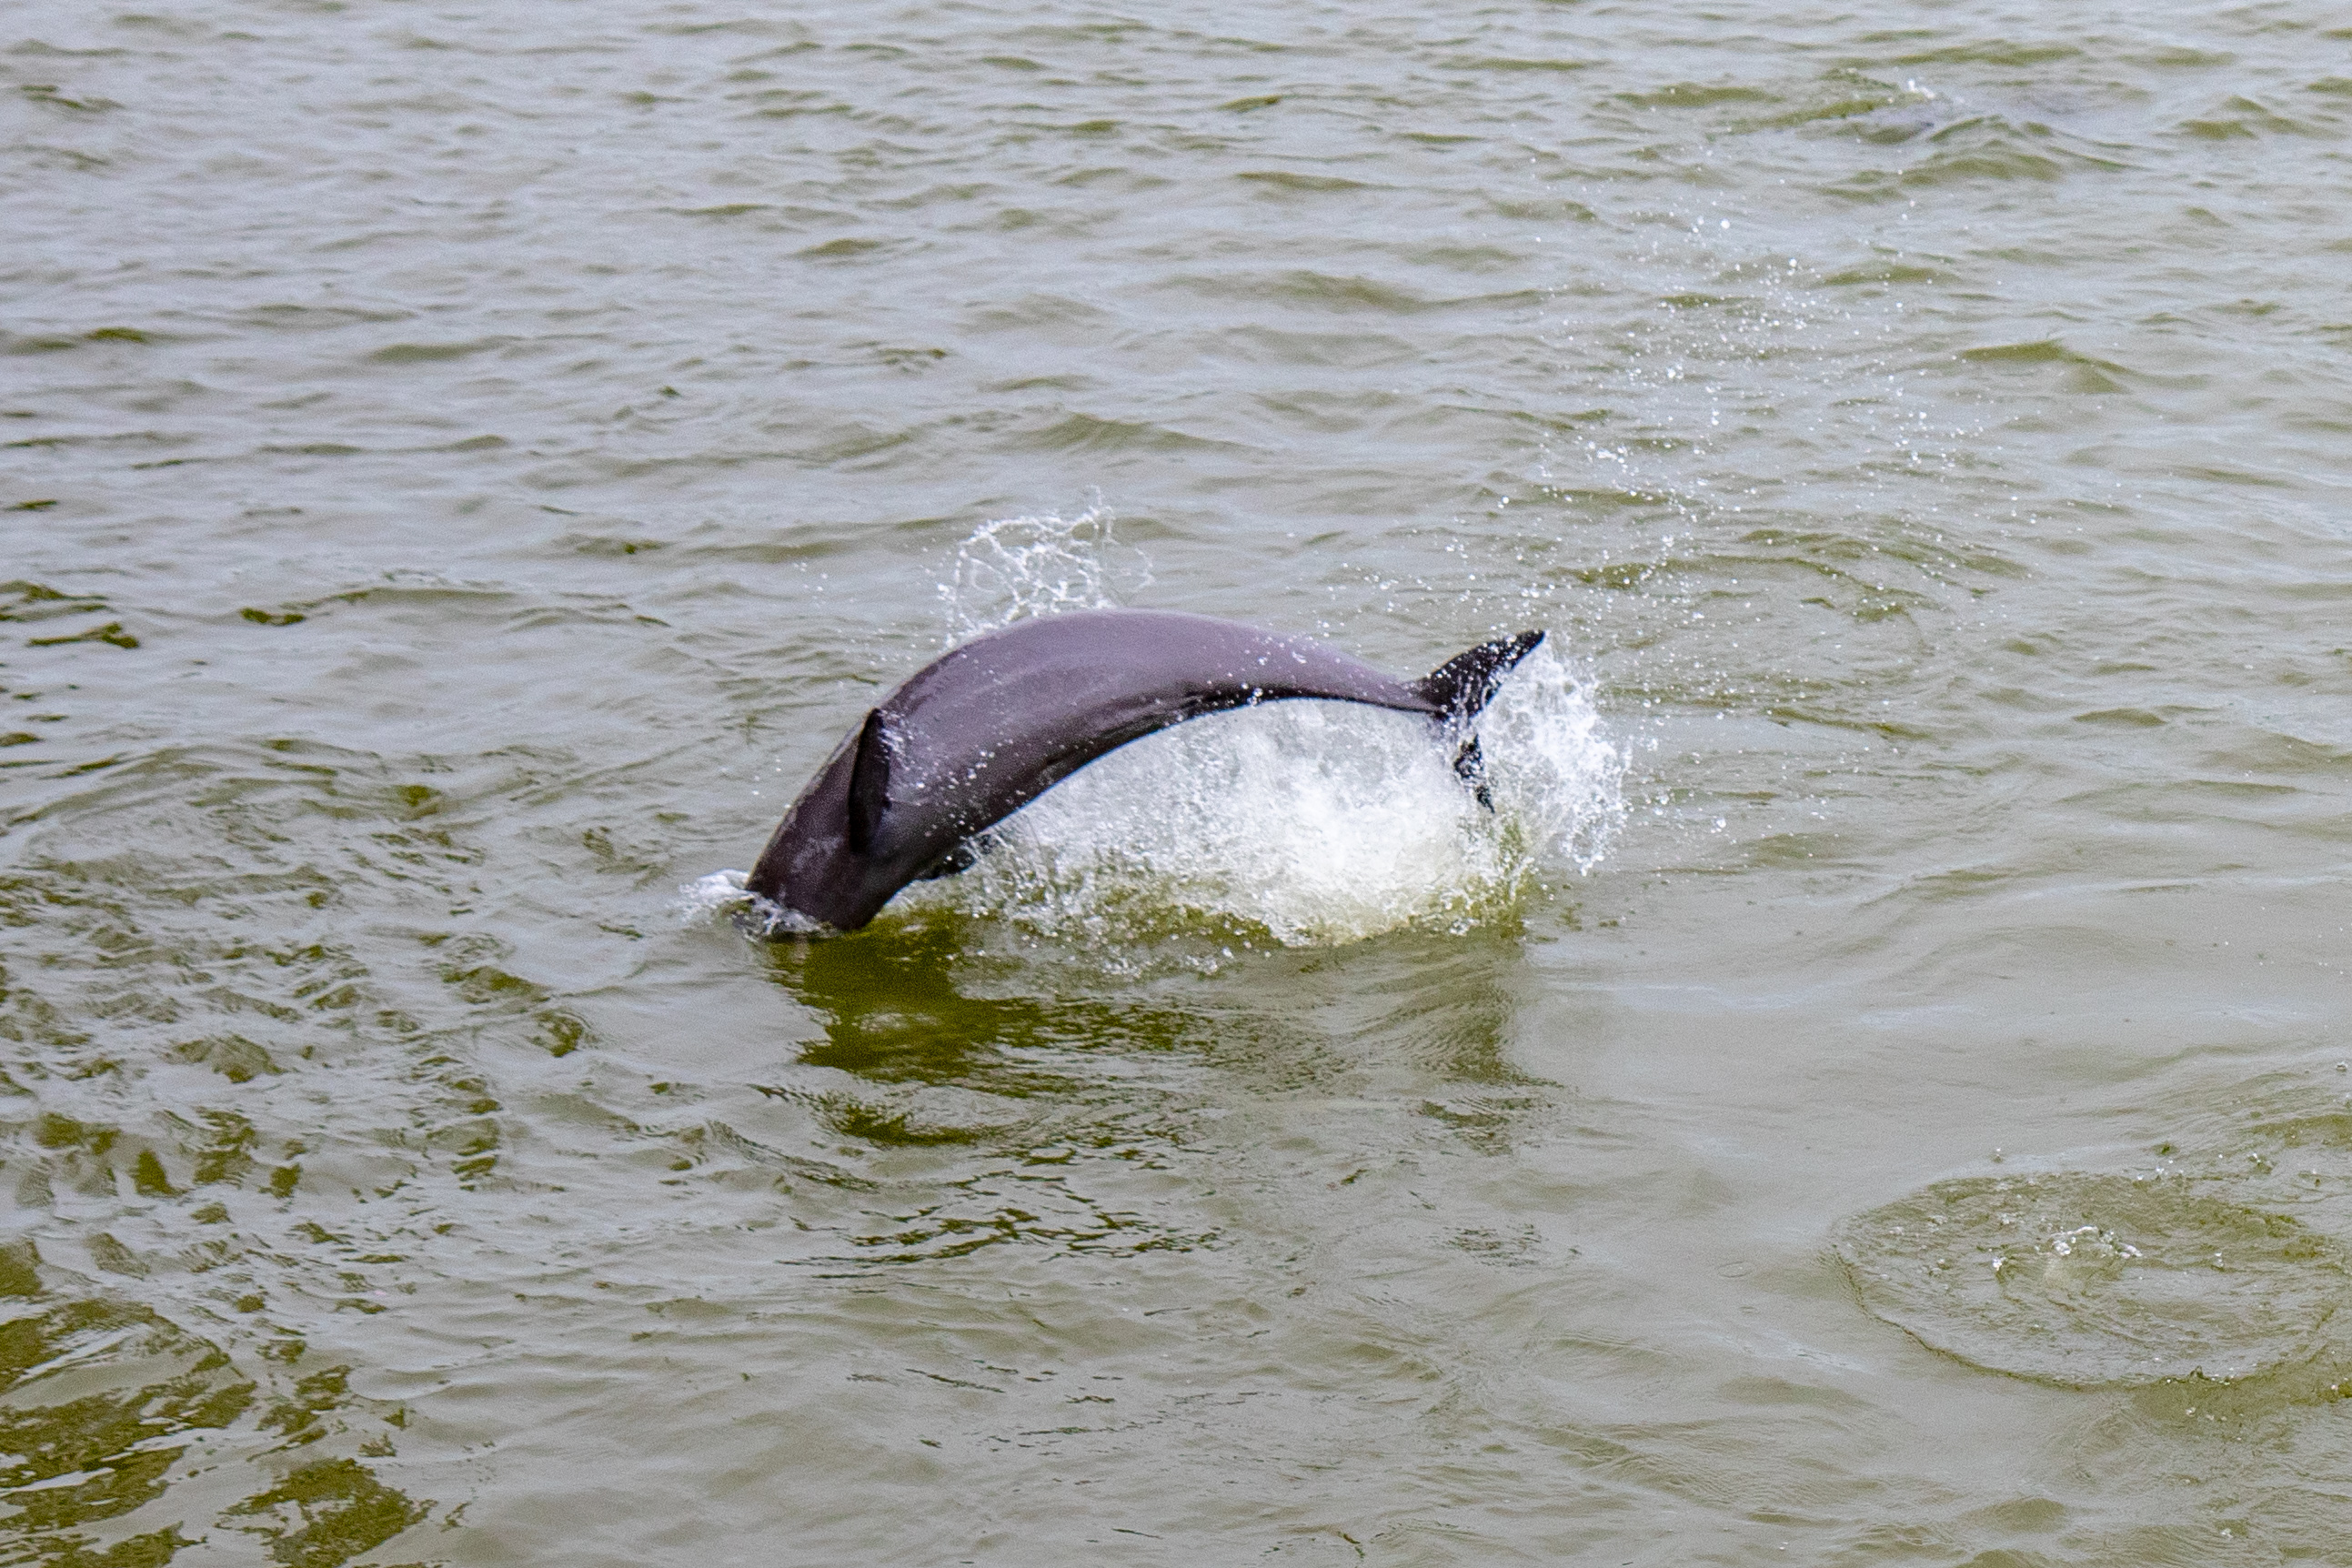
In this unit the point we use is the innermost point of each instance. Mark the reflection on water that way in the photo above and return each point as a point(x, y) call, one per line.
point(893, 1012)
point(107, 1406)
point(1028, 1109)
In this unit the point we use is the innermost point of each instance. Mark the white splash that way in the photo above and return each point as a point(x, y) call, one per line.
point(1299, 823)
point(706, 898)
point(1304, 823)
point(1557, 781)
point(1015, 568)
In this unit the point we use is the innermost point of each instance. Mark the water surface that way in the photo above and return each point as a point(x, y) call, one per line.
point(467, 466)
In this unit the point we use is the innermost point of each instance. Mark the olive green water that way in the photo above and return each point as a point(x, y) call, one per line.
point(468, 465)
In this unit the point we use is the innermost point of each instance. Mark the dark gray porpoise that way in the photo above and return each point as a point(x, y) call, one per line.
point(987, 728)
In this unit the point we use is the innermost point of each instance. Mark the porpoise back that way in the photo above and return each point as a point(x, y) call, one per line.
point(990, 725)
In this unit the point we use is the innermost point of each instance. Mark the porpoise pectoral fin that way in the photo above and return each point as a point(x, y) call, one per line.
point(1465, 683)
point(1470, 766)
point(869, 785)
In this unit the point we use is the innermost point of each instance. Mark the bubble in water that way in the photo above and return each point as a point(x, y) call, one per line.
point(2082, 1279)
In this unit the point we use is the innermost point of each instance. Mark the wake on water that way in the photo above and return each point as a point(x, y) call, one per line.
point(1298, 823)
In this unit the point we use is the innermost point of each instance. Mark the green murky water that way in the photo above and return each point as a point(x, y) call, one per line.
point(1875, 1096)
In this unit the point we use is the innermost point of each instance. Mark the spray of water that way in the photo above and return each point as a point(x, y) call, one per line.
point(1016, 568)
point(707, 898)
point(1305, 824)
point(1296, 824)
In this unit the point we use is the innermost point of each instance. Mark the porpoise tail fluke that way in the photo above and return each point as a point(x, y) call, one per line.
point(1462, 686)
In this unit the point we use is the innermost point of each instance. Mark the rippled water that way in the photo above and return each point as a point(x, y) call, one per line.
point(466, 467)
